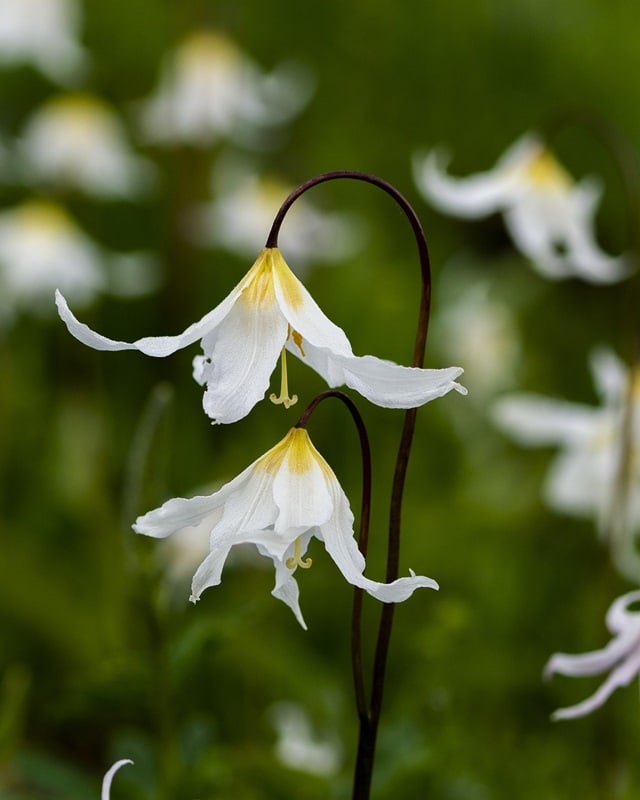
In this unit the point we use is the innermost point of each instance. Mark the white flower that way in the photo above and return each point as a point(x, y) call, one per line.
point(268, 313)
point(41, 248)
point(240, 217)
point(278, 503)
point(298, 747)
point(42, 33)
point(549, 216)
point(584, 477)
point(621, 657)
point(210, 89)
point(77, 140)
point(106, 783)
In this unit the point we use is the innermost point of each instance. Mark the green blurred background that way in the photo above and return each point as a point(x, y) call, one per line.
point(101, 656)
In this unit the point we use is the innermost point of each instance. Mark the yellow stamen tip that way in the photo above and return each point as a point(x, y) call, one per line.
point(296, 559)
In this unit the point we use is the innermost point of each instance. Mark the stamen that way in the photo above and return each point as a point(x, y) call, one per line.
point(297, 340)
point(296, 559)
point(284, 398)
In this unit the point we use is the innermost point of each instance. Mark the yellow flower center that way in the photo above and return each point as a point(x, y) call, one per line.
point(546, 170)
point(296, 559)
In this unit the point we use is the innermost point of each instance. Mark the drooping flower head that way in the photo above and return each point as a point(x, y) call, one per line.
point(42, 33)
point(267, 314)
point(549, 216)
point(279, 503)
point(584, 477)
point(621, 658)
point(210, 89)
point(77, 140)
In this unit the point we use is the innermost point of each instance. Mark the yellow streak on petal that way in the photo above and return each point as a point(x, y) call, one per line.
point(546, 170)
point(289, 285)
point(297, 449)
point(258, 290)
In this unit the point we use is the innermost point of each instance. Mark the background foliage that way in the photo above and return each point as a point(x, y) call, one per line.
point(101, 656)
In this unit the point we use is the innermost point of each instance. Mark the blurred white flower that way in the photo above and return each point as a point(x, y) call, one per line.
point(278, 503)
point(621, 658)
point(267, 314)
point(106, 783)
point(210, 89)
point(548, 214)
point(42, 33)
point(297, 746)
point(597, 472)
point(42, 248)
point(240, 217)
point(77, 140)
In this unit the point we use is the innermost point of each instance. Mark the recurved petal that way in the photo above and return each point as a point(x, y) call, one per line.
point(286, 588)
point(472, 197)
point(337, 534)
point(157, 346)
point(619, 618)
point(596, 661)
point(537, 420)
point(106, 782)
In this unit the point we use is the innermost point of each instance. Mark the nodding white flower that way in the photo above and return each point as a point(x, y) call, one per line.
point(621, 658)
point(549, 216)
point(106, 783)
point(240, 217)
point(267, 314)
point(298, 747)
point(209, 89)
point(77, 140)
point(278, 503)
point(42, 33)
point(584, 479)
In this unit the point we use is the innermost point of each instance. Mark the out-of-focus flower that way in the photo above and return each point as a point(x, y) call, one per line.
point(240, 217)
point(77, 140)
point(42, 248)
point(621, 658)
point(298, 747)
point(278, 503)
point(584, 478)
point(106, 783)
point(548, 214)
point(268, 313)
point(210, 89)
point(42, 33)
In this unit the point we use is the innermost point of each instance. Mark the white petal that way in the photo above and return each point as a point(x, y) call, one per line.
point(209, 573)
point(610, 375)
point(536, 420)
point(535, 233)
point(472, 197)
point(106, 782)
point(596, 661)
point(240, 355)
point(619, 617)
point(383, 382)
point(286, 587)
point(151, 345)
point(337, 535)
point(574, 485)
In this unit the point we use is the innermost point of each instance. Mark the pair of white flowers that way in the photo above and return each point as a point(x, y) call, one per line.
point(289, 495)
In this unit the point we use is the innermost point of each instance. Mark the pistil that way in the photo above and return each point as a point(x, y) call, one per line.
point(283, 398)
point(296, 559)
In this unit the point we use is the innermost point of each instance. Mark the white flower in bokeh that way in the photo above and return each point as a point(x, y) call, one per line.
point(621, 658)
point(279, 503)
point(550, 217)
point(210, 89)
point(78, 141)
point(298, 747)
point(267, 314)
point(43, 33)
point(108, 778)
point(42, 248)
point(240, 216)
point(599, 449)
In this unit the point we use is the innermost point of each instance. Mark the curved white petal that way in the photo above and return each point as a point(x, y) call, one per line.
point(536, 420)
point(535, 233)
point(382, 382)
point(619, 618)
point(596, 661)
point(337, 534)
point(286, 587)
point(302, 312)
point(106, 782)
point(240, 355)
point(472, 197)
point(157, 346)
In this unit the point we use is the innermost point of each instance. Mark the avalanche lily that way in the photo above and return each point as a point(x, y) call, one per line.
point(549, 216)
point(621, 658)
point(267, 314)
point(106, 783)
point(585, 478)
point(278, 503)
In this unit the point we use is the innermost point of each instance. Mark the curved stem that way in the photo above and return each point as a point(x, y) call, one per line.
point(369, 718)
point(363, 535)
